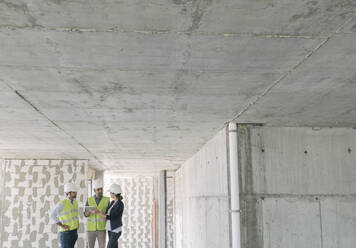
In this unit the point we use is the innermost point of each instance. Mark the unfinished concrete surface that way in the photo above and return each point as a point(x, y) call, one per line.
point(136, 85)
point(297, 187)
point(122, 82)
point(202, 200)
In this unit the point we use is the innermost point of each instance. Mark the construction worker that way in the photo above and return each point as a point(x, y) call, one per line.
point(95, 223)
point(65, 215)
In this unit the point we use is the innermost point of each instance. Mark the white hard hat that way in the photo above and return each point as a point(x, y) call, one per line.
point(115, 188)
point(98, 183)
point(70, 187)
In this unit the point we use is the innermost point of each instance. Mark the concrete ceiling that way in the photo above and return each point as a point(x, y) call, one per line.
point(134, 84)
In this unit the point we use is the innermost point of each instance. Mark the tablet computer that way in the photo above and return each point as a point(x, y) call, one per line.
point(90, 209)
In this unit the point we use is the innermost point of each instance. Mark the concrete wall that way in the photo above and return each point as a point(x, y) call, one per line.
point(298, 187)
point(202, 203)
point(31, 189)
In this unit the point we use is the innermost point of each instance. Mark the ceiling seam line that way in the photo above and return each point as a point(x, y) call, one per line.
point(121, 69)
point(162, 32)
point(52, 122)
point(286, 74)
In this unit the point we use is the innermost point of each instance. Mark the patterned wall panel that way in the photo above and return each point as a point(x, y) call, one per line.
point(1, 193)
point(138, 193)
point(170, 210)
point(32, 188)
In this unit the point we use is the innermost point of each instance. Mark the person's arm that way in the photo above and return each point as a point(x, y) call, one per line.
point(54, 216)
point(116, 212)
point(100, 213)
point(87, 214)
point(105, 216)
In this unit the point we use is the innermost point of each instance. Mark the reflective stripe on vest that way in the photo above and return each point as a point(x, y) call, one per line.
point(95, 222)
point(69, 215)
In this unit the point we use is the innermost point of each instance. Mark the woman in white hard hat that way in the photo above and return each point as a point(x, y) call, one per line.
point(114, 216)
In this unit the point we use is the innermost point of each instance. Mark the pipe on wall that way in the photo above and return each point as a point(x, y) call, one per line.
point(234, 187)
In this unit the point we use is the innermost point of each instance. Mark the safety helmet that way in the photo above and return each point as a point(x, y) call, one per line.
point(70, 187)
point(98, 183)
point(115, 188)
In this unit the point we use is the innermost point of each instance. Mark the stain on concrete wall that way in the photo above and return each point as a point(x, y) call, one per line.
point(32, 188)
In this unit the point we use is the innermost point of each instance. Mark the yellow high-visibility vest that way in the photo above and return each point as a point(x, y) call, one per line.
point(95, 222)
point(69, 215)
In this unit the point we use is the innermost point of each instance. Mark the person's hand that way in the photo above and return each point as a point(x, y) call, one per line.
point(87, 213)
point(66, 227)
point(97, 211)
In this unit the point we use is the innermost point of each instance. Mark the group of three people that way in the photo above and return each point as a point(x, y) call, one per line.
point(102, 215)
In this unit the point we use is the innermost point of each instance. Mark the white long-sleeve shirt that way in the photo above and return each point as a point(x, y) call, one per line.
point(56, 211)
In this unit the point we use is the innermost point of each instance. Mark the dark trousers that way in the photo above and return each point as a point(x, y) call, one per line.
point(113, 238)
point(68, 238)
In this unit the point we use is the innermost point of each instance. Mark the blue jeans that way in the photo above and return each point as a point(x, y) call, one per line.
point(68, 238)
point(113, 238)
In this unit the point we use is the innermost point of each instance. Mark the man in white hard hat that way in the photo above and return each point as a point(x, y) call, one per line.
point(65, 215)
point(95, 223)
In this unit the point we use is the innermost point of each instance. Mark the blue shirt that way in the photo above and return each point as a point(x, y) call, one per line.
point(97, 200)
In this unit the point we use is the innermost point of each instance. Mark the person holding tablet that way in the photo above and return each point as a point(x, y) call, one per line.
point(96, 225)
point(113, 216)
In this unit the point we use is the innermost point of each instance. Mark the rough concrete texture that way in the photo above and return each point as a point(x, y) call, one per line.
point(303, 160)
point(202, 203)
point(320, 92)
point(131, 83)
point(297, 186)
point(31, 190)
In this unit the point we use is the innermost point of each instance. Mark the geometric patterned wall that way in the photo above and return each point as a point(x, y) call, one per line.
point(2, 178)
point(31, 190)
point(170, 210)
point(139, 191)
point(138, 194)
